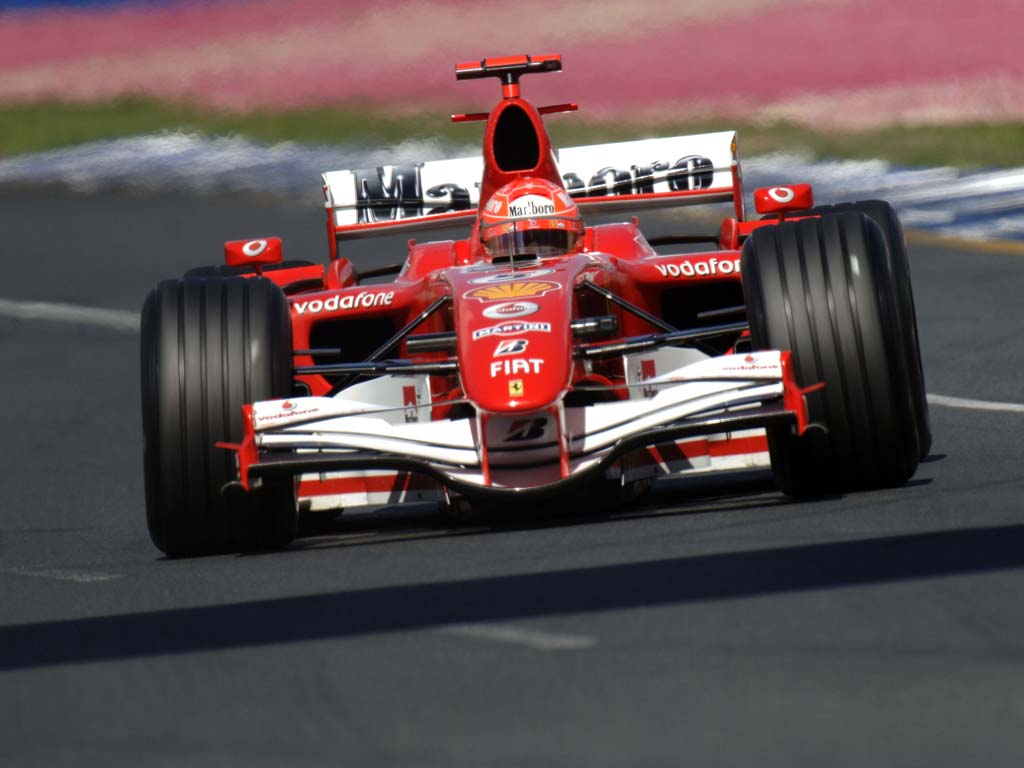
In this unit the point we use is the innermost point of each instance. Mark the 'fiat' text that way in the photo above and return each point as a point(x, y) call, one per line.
point(516, 366)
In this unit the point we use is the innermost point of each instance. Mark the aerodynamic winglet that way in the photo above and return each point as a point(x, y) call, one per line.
point(508, 69)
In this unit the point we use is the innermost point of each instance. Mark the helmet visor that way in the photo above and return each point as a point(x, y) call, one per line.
point(540, 243)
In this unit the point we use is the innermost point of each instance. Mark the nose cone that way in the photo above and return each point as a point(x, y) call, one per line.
point(514, 340)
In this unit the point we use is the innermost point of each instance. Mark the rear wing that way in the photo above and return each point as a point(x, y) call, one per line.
point(680, 170)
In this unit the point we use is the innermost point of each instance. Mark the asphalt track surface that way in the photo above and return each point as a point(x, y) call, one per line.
point(720, 625)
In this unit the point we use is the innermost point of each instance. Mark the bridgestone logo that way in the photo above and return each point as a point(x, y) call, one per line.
point(361, 300)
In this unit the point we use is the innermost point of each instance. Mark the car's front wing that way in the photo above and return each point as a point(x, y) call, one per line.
point(541, 452)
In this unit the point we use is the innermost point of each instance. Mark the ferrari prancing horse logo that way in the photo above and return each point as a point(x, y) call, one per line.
point(515, 388)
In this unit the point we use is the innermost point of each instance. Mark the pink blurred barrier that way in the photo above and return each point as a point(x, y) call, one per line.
point(830, 62)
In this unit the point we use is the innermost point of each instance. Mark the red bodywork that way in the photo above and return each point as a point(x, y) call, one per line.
point(513, 330)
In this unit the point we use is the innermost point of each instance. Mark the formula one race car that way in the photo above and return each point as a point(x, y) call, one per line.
point(538, 357)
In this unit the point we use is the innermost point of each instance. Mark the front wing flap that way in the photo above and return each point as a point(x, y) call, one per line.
point(542, 452)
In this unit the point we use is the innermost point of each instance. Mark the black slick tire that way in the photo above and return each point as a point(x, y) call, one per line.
point(823, 289)
point(885, 217)
point(208, 346)
point(223, 270)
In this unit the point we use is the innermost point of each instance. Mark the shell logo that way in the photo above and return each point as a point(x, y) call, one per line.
point(506, 291)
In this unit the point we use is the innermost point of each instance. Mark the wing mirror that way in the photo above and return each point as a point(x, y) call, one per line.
point(794, 197)
point(253, 253)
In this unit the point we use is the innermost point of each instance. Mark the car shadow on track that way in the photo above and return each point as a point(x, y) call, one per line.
point(746, 490)
point(730, 492)
point(504, 598)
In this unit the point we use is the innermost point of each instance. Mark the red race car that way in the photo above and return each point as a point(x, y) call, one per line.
point(539, 356)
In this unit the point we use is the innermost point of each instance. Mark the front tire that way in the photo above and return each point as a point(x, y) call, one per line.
point(822, 288)
point(885, 217)
point(208, 347)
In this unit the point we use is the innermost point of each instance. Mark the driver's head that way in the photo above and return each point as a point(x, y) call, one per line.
point(530, 217)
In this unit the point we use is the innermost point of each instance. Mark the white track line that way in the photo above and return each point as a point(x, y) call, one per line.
point(115, 319)
point(504, 633)
point(974, 405)
point(62, 574)
point(124, 320)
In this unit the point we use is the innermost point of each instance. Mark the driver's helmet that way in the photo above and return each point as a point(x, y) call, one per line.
point(530, 217)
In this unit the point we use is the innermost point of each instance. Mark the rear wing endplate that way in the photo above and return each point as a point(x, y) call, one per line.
point(680, 170)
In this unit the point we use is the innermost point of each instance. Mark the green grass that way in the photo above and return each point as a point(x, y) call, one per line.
point(48, 125)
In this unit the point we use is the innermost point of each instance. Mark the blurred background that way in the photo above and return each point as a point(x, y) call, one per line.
point(853, 76)
point(259, 94)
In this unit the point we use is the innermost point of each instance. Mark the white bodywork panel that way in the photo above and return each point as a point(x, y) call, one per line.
point(373, 417)
point(424, 194)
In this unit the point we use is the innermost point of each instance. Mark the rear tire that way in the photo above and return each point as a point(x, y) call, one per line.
point(209, 346)
point(223, 270)
point(823, 289)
